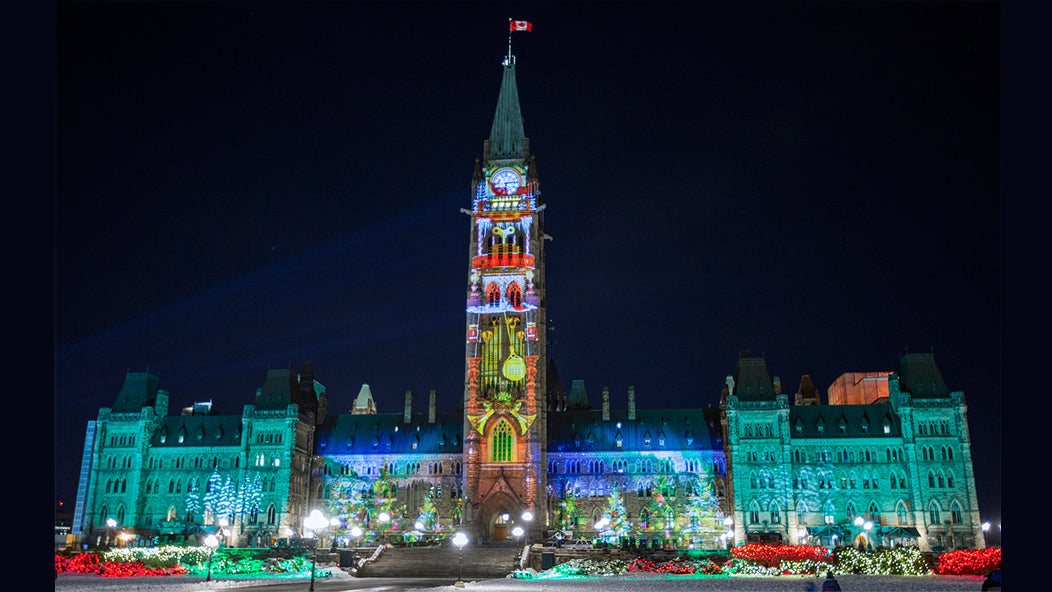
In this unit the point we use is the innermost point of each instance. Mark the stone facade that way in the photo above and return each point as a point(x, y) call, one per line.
point(891, 447)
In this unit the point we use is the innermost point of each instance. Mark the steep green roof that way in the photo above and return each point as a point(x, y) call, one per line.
point(507, 133)
point(752, 382)
point(919, 376)
point(578, 398)
point(387, 433)
point(653, 430)
point(185, 431)
point(844, 421)
point(139, 390)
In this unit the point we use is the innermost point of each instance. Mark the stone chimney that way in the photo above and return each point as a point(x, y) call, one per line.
point(777, 385)
point(407, 417)
point(631, 402)
point(606, 403)
point(432, 406)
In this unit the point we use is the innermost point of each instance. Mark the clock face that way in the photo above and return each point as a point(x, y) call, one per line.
point(505, 182)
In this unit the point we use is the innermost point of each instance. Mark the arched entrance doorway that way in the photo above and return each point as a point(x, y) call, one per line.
point(498, 517)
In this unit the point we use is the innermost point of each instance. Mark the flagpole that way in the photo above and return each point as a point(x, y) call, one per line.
point(509, 42)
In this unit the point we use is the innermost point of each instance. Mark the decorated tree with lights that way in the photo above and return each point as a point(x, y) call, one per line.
point(227, 498)
point(615, 517)
point(348, 494)
point(384, 501)
point(428, 513)
point(702, 510)
point(662, 511)
point(194, 503)
point(568, 514)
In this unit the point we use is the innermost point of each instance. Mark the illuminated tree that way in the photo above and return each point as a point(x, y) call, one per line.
point(568, 514)
point(193, 499)
point(615, 516)
point(428, 513)
point(701, 510)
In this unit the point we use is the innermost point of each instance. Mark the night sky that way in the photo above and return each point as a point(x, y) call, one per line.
point(244, 186)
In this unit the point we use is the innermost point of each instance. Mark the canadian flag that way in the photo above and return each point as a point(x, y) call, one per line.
point(521, 25)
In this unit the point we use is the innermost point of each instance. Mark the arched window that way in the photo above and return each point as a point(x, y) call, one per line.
point(644, 519)
point(272, 515)
point(933, 513)
point(776, 514)
point(754, 513)
point(515, 295)
point(955, 513)
point(874, 511)
point(801, 513)
point(851, 513)
point(503, 442)
point(931, 479)
point(949, 479)
point(493, 294)
point(903, 515)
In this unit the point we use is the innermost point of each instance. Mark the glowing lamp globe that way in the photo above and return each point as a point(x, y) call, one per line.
point(211, 541)
point(517, 531)
point(460, 539)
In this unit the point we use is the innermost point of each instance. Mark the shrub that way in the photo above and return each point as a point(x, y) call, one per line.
point(773, 555)
point(969, 561)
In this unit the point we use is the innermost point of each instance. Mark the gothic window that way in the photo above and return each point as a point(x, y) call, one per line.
point(933, 513)
point(515, 295)
point(776, 514)
point(493, 294)
point(644, 519)
point(272, 515)
point(873, 509)
point(903, 516)
point(955, 513)
point(942, 479)
point(754, 513)
point(949, 479)
point(801, 513)
point(503, 449)
point(931, 479)
point(851, 513)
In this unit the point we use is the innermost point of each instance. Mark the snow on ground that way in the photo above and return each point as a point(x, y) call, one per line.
point(849, 583)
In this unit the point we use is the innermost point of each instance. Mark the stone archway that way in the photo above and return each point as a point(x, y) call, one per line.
point(492, 527)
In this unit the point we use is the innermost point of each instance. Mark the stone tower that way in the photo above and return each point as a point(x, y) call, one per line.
point(504, 385)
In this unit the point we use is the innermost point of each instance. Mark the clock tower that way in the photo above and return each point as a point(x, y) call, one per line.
point(504, 384)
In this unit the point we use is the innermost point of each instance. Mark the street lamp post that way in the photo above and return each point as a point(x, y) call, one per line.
point(211, 542)
point(313, 523)
point(728, 522)
point(110, 525)
point(986, 528)
point(460, 539)
point(527, 517)
point(384, 519)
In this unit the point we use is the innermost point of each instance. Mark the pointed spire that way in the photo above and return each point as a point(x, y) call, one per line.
point(507, 134)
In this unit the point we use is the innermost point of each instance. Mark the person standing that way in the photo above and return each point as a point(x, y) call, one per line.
point(830, 585)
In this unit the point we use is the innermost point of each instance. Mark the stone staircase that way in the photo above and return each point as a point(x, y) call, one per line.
point(479, 562)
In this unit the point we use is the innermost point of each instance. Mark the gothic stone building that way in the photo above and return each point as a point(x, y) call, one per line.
point(889, 447)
